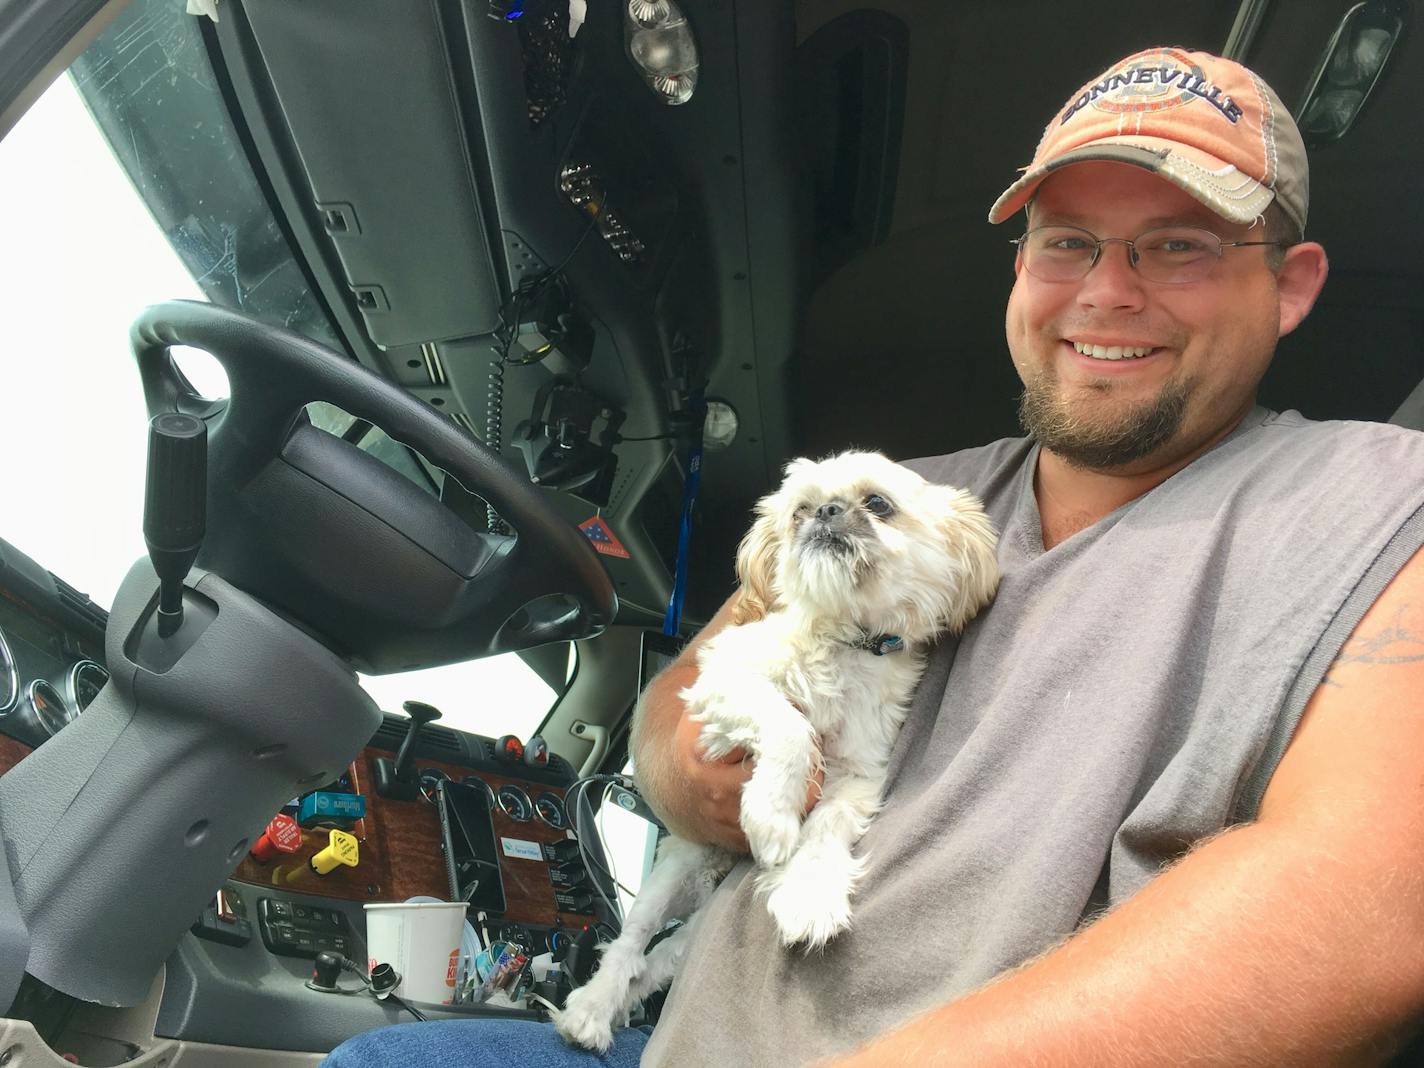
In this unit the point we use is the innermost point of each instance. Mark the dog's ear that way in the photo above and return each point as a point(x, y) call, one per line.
point(971, 537)
point(756, 568)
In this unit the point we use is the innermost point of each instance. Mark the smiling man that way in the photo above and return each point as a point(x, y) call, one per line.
point(1139, 353)
point(1161, 802)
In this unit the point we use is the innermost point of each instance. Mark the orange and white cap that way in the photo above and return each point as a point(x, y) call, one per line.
point(1204, 123)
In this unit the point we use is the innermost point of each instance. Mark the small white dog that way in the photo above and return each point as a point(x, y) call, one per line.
point(852, 568)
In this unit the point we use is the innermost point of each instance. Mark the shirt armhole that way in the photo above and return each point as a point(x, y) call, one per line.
point(1395, 554)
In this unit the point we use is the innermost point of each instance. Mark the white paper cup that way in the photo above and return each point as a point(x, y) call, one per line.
point(421, 941)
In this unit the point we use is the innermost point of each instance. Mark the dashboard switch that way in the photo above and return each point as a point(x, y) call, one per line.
point(328, 805)
point(281, 836)
point(342, 849)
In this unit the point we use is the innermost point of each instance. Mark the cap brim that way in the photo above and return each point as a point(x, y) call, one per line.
point(1221, 187)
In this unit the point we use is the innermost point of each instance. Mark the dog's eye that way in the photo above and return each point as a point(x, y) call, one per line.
point(878, 505)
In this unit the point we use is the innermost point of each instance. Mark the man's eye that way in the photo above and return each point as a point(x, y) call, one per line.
point(878, 505)
point(1068, 244)
point(1177, 245)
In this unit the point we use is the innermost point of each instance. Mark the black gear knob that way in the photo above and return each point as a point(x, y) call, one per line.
point(175, 507)
point(325, 971)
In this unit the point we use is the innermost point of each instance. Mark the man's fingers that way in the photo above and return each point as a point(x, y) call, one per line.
point(736, 756)
point(814, 785)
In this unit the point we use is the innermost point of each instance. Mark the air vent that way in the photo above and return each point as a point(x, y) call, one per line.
point(390, 733)
point(393, 729)
point(435, 736)
point(463, 421)
point(433, 367)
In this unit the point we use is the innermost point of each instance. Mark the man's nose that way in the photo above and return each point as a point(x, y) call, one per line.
point(1113, 282)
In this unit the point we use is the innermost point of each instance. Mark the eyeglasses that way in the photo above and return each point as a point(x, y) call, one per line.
point(1172, 255)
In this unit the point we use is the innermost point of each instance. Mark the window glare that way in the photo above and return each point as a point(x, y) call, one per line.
point(495, 696)
point(82, 258)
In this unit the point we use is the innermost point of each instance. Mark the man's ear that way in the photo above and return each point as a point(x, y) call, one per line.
point(1298, 281)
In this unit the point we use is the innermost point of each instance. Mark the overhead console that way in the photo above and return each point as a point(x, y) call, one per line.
point(372, 110)
point(511, 224)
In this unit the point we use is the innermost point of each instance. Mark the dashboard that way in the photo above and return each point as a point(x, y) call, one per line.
point(51, 652)
point(399, 841)
point(51, 669)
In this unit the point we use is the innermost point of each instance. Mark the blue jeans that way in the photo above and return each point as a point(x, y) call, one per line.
point(480, 1043)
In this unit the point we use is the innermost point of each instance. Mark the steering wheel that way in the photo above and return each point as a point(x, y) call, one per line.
point(347, 547)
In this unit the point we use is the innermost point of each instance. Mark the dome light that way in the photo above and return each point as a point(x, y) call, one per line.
point(661, 45)
point(1349, 69)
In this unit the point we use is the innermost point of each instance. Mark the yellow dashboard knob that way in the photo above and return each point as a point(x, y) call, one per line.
point(342, 849)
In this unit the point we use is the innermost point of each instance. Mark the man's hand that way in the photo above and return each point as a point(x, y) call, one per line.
point(699, 799)
point(714, 786)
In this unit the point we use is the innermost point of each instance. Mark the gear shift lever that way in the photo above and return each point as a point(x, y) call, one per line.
point(175, 507)
point(398, 780)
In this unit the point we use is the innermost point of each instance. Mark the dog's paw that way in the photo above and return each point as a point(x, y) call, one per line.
point(772, 833)
point(585, 1021)
point(809, 901)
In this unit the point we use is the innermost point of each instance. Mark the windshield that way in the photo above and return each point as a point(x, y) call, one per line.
point(95, 228)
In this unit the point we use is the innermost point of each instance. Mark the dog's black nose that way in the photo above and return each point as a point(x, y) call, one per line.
point(830, 510)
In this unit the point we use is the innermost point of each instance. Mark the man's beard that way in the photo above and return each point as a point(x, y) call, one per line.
point(1105, 442)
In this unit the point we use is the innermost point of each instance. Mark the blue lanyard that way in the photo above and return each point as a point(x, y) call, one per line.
point(690, 486)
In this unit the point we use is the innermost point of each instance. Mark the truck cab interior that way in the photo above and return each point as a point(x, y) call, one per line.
point(370, 361)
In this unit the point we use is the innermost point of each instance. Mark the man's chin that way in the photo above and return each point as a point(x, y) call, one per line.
point(1102, 432)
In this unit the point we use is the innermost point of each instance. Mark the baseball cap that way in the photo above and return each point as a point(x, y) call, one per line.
point(1204, 123)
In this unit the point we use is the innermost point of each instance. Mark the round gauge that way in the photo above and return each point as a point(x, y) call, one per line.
point(48, 707)
point(9, 678)
point(516, 804)
point(430, 776)
point(550, 809)
point(429, 779)
point(83, 683)
point(475, 780)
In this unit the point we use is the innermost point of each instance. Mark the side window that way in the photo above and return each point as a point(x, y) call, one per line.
point(125, 184)
point(82, 256)
point(630, 842)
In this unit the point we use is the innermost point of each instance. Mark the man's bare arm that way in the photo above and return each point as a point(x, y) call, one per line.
point(1295, 940)
point(698, 799)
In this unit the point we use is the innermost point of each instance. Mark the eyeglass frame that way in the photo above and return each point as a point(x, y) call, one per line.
point(1133, 255)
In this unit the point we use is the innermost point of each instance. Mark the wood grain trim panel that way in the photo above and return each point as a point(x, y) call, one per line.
point(12, 751)
point(401, 855)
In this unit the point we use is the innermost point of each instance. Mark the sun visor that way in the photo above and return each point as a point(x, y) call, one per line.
point(366, 91)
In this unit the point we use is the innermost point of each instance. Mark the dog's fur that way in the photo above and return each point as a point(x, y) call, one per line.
point(792, 684)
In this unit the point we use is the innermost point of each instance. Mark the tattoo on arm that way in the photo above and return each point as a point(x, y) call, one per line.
point(1395, 644)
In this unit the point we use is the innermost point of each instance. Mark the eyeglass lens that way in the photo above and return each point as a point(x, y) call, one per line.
point(1171, 255)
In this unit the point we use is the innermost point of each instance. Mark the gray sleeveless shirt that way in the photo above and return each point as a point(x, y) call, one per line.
point(1127, 693)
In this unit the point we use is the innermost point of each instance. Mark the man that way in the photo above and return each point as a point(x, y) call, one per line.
point(1131, 820)
point(1180, 569)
